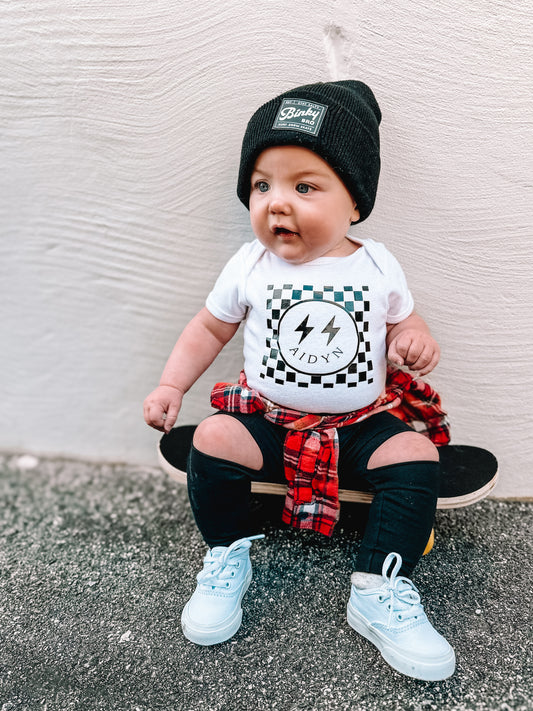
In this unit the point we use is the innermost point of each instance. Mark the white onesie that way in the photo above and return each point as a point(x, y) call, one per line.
point(314, 333)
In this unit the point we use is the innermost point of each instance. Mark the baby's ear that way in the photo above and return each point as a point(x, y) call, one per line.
point(356, 215)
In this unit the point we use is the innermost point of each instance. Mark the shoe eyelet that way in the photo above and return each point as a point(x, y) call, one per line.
point(399, 618)
point(381, 598)
point(227, 585)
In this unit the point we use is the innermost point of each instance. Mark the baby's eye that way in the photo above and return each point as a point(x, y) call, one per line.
point(303, 188)
point(262, 186)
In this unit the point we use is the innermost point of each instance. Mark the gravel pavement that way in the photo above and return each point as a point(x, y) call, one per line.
point(97, 561)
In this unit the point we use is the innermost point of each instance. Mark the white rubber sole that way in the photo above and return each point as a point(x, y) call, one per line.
point(397, 658)
point(206, 636)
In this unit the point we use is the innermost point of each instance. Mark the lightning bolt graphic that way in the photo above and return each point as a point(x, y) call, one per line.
point(331, 330)
point(304, 328)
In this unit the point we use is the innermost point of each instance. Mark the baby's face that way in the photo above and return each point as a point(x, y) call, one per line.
point(299, 208)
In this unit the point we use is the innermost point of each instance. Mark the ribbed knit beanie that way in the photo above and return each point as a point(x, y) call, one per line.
point(337, 120)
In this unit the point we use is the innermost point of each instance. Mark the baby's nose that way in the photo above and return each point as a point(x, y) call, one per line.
point(279, 202)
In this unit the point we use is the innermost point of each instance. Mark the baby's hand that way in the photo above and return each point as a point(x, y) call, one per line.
point(161, 408)
point(416, 349)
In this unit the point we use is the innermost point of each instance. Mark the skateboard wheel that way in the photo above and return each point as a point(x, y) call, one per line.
point(431, 541)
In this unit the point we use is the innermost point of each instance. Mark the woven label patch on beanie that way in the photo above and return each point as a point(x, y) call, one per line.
point(300, 115)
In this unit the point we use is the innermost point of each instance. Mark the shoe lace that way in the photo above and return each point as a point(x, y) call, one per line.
point(403, 596)
point(220, 563)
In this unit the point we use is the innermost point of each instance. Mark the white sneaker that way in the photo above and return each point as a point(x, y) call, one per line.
point(393, 619)
point(213, 613)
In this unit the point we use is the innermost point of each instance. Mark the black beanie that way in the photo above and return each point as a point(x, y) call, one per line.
point(337, 120)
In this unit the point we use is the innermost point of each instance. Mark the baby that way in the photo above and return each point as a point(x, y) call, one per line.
point(322, 313)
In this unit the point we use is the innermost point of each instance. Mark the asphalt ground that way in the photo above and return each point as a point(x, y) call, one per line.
point(97, 561)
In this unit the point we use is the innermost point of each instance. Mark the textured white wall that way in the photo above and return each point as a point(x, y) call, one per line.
point(120, 130)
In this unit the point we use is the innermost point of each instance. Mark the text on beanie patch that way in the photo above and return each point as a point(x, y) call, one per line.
point(300, 115)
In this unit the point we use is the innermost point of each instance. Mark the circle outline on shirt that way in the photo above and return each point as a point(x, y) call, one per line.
point(316, 302)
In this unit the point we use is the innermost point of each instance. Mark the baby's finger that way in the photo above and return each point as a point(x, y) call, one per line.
point(170, 419)
point(394, 356)
point(418, 357)
point(430, 365)
point(413, 356)
point(427, 360)
point(156, 417)
point(147, 413)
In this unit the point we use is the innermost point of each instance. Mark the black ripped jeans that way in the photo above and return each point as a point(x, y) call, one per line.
point(401, 514)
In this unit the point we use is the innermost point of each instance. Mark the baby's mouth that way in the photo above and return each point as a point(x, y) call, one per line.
point(283, 232)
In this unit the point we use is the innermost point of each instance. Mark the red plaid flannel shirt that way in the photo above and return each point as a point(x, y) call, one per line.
point(311, 447)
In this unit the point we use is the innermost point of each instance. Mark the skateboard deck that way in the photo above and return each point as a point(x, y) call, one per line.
point(468, 474)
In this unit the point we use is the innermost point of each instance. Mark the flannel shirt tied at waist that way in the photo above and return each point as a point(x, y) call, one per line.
point(311, 448)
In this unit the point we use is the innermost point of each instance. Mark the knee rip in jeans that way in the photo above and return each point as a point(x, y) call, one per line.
point(401, 448)
point(224, 437)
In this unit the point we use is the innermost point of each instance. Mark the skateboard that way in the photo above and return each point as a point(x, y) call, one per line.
point(468, 474)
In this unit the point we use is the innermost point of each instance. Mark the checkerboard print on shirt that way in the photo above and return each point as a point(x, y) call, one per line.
point(317, 336)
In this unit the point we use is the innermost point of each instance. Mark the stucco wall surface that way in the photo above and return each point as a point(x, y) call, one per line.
point(121, 125)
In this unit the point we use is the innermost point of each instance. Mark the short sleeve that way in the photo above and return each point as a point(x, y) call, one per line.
point(400, 300)
point(227, 300)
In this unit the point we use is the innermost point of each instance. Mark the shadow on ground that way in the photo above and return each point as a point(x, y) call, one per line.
point(97, 561)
